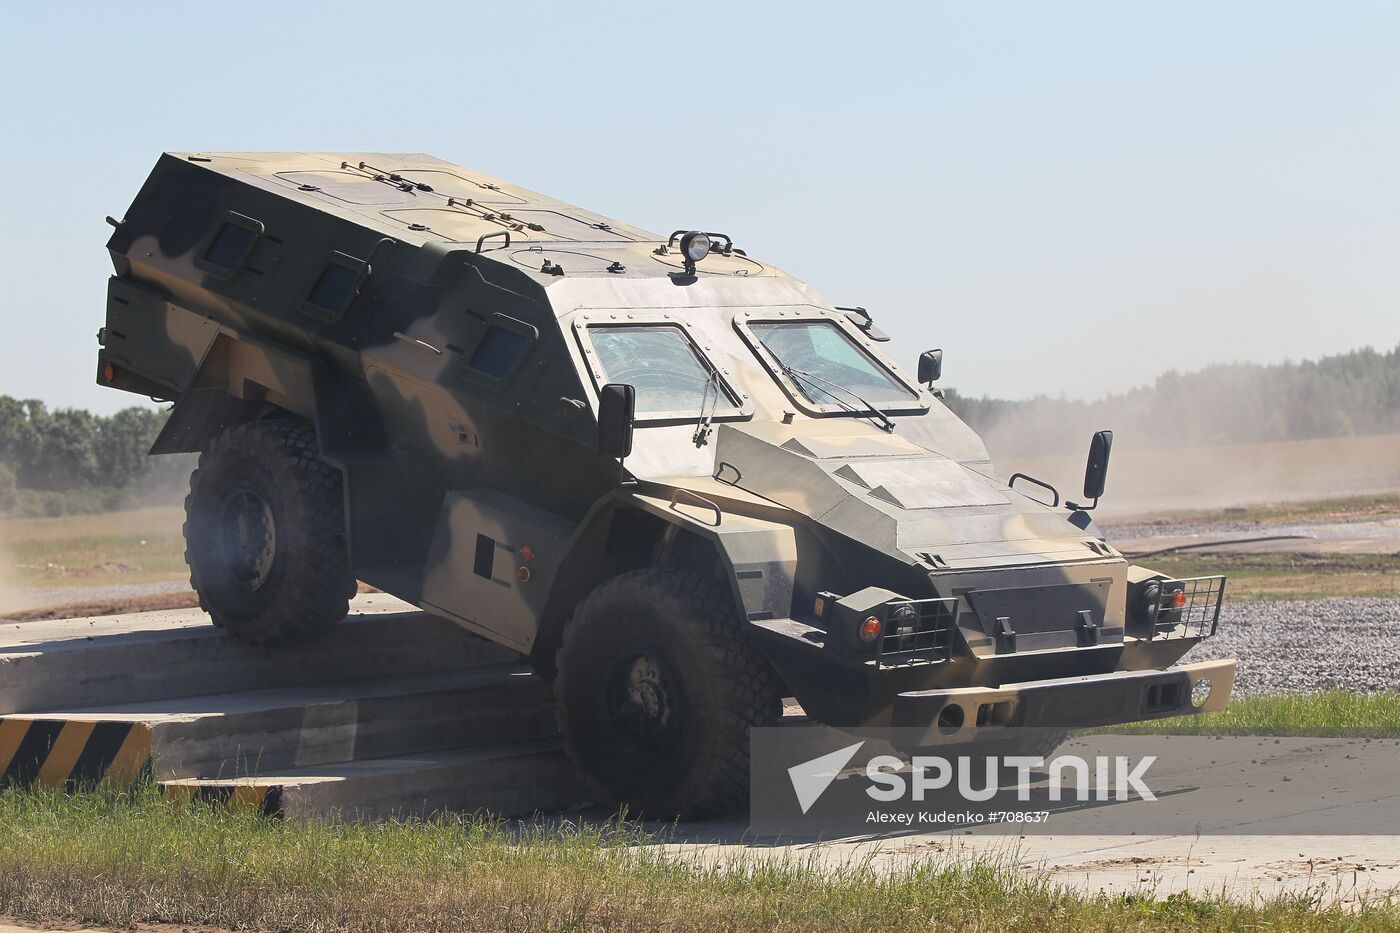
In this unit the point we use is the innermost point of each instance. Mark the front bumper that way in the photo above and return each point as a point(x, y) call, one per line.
point(964, 713)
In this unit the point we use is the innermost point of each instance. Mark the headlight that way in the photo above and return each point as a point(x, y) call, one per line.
point(695, 246)
point(1147, 601)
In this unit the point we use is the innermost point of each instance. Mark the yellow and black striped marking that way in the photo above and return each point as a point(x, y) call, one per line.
point(72, 754)
point(265, 799)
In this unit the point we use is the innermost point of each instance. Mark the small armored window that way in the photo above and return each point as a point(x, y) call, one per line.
point(337, 286)
point(498, 352)
point(230, 246)
point(502, 347)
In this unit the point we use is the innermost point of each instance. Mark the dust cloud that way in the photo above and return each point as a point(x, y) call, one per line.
point(1228, 434)
point(1148, 475)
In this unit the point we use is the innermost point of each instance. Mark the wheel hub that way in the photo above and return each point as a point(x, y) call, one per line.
point(248, 536)
point(643, 703)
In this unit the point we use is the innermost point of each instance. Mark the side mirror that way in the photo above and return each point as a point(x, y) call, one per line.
point(617, 407)
point(1096, 473)
point(930, 366)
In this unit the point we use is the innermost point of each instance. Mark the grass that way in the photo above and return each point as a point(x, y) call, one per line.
point(1254, 577)
point(122, 860)
point(1331, 712)
point(137, 546)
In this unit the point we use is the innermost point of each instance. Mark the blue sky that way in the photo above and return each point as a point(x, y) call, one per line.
point(1068, 198)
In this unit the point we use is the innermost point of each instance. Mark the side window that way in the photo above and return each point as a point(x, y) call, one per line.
point(228, 249)
point(336, 287)
point(501, 349)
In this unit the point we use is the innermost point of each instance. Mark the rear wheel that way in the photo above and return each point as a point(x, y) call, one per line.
point(658, 686)
point(265, 534)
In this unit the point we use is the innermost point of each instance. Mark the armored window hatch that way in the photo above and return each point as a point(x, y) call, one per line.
point(336, 286)
point(227, 251)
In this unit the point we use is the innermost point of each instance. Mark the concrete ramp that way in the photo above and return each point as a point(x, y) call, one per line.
point(397, 712)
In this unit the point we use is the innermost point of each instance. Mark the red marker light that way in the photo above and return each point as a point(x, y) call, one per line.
point(1177, 600)
point(870, 629)
point(527, 553)
point(109, 372)
point(523, 574)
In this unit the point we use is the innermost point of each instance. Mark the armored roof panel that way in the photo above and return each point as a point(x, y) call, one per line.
point(396, 192)
point(421, 200)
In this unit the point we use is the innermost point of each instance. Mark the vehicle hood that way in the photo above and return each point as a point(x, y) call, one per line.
point(895, 496)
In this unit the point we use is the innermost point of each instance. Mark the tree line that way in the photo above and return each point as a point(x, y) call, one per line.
point(67, 459)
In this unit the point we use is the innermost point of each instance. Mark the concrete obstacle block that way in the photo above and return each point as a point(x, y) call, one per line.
point(396, 713)
point(55, 751)
point(77, 663)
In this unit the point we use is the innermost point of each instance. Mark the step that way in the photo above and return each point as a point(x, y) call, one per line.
point(226, 735)
point(506, 780)
point(81, 663)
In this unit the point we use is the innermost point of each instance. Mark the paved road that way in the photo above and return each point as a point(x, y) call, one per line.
point(1236, 789)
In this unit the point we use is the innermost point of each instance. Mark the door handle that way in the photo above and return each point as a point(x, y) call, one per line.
point(422, 343)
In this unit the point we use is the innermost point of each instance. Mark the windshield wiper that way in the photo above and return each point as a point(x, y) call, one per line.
point(702, 427)
point(816, 381)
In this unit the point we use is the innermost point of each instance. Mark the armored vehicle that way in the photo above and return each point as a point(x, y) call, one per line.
point(676, 478)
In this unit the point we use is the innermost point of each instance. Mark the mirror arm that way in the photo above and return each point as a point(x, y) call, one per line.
point(1080, 507)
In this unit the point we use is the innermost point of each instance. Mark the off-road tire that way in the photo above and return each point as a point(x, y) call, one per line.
point(720, 685)
point(299, 584)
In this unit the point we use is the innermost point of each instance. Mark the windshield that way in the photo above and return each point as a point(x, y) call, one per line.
point(821, 349)
point(661, 363)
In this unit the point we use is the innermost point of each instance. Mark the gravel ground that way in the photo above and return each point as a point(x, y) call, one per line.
point(1352, 644)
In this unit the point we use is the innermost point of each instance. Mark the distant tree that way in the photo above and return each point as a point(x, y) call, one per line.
point(64, 454)
point(122, 443)
point(7, 488)
point(16, 432)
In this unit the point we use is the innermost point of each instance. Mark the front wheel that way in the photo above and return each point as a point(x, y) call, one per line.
point(658, 686)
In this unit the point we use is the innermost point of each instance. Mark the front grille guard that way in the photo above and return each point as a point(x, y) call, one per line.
point(917, 631)
point(920, 631)
point(1199, 615)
